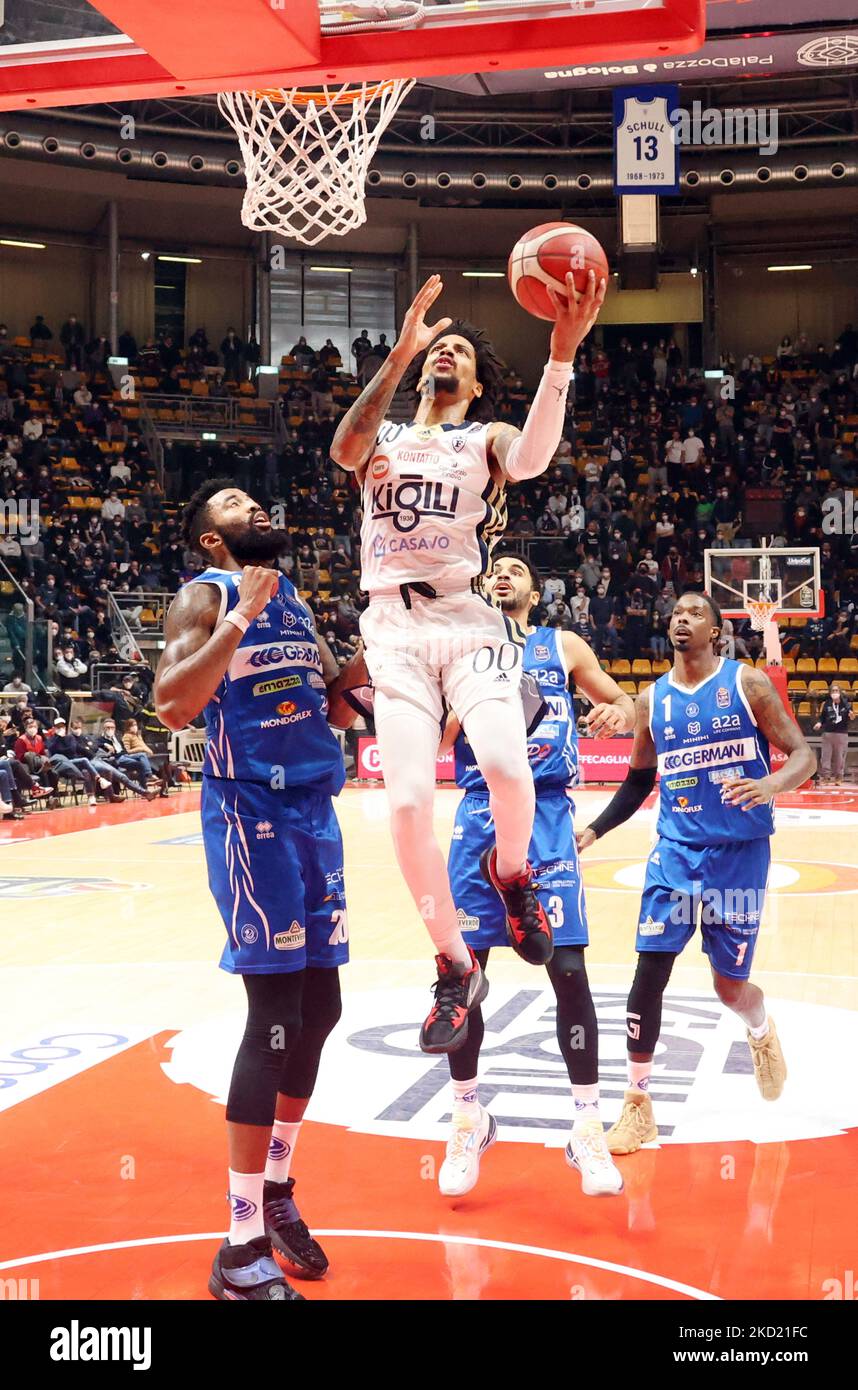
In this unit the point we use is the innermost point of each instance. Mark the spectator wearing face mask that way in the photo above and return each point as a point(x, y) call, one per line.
point(834, 719)
point(107, 769)
point(65, 761)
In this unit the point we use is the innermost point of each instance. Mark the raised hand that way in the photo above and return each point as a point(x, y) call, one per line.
point(258, 587)
point(577, 311)
point(415, 334)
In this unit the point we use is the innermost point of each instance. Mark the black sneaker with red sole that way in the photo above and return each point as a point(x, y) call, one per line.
point(527, 927)
point(456, 994)
point(288, 1233)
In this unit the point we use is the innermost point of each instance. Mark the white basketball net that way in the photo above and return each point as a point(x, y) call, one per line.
point(761, 612)
point(306, 154)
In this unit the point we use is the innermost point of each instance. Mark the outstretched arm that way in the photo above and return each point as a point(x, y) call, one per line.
point(640, 780)
point(780, 730)
point(613, 711)
point(356, 433)
point(528, 453)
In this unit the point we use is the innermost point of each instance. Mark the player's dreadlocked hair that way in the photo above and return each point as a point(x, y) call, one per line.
point(489, 370)
point(195, 514)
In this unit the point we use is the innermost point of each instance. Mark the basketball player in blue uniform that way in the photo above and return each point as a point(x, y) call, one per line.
point(241, 645)
point(706, 726)
point(552, 658)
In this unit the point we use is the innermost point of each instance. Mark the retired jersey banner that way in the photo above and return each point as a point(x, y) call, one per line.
point(646, 147)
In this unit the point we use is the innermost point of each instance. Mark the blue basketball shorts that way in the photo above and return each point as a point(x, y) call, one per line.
point(722, 886)
point(553, 854)
point(275, 867)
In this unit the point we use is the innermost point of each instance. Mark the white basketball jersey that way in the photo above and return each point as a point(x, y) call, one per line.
point(431, 509)
point(645, 148)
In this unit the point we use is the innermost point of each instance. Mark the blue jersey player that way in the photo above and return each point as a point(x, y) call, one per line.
point(242, 646)
point(706, 726)
point(552, 658)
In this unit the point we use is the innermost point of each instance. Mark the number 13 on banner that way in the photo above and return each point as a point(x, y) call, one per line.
point(646, 147)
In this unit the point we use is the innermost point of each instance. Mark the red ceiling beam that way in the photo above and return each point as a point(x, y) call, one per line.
point(202, 46)
point(191, 37)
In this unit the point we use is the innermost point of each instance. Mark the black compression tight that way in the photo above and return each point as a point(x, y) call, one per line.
point(288, 1019)
point(577, 1029)
point(643, 1011)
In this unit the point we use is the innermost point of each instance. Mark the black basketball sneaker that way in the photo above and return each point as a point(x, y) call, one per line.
point(456, 992)
point(528, 929)
point(250, 1274)
point(289, 1235)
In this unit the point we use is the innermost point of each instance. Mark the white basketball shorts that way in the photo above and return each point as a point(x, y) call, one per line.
point(451, 652)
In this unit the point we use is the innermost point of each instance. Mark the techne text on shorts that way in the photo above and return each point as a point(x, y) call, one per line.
point(76, 1343)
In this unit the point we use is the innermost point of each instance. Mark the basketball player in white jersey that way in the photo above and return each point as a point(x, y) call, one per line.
point(434, 503)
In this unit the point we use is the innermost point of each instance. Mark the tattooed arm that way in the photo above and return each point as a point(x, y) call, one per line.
point(356, 432)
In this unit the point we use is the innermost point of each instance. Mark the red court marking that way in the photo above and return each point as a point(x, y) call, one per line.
point(774, 1230)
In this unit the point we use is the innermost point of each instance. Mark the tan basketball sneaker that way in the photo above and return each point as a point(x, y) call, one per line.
point(635, 1126)
point(769, 1065)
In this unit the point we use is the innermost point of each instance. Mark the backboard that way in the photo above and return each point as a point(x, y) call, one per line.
point(787, 577)
point(68, 52)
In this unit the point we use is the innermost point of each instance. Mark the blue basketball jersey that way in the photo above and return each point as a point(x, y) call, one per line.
point(267, 720)
point(703, 738)
point(553, 746)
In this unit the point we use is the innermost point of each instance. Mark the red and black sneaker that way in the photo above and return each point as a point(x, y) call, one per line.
point(456, 992)
point(527, 927)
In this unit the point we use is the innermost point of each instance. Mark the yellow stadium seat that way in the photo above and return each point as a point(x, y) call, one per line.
point(817, 688)
point(805, 710)
point(826, 665)
point(848, 666)
point(628, 687)
point(806, 666)
point(659, 667)
point(641, 667)
point(621, 668)
point(796, 687)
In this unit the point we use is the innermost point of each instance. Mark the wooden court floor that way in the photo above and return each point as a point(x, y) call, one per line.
point(118, 1033)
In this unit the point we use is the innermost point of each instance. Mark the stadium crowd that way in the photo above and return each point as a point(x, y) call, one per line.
point(653, 468)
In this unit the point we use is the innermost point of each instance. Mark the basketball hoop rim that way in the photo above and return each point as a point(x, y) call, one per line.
point(323, 96)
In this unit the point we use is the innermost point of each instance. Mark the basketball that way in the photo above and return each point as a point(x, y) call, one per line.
point(544, 256)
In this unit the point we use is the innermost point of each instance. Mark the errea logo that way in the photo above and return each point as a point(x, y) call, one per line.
point(264, 830)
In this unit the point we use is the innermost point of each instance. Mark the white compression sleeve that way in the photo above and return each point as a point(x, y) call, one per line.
point(530, 454)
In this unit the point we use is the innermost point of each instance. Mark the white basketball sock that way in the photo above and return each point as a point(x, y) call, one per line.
point(245, 1200)
point(466, 1100)
point(586, 1100)
point(284, 1137)
point(639, 1074)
